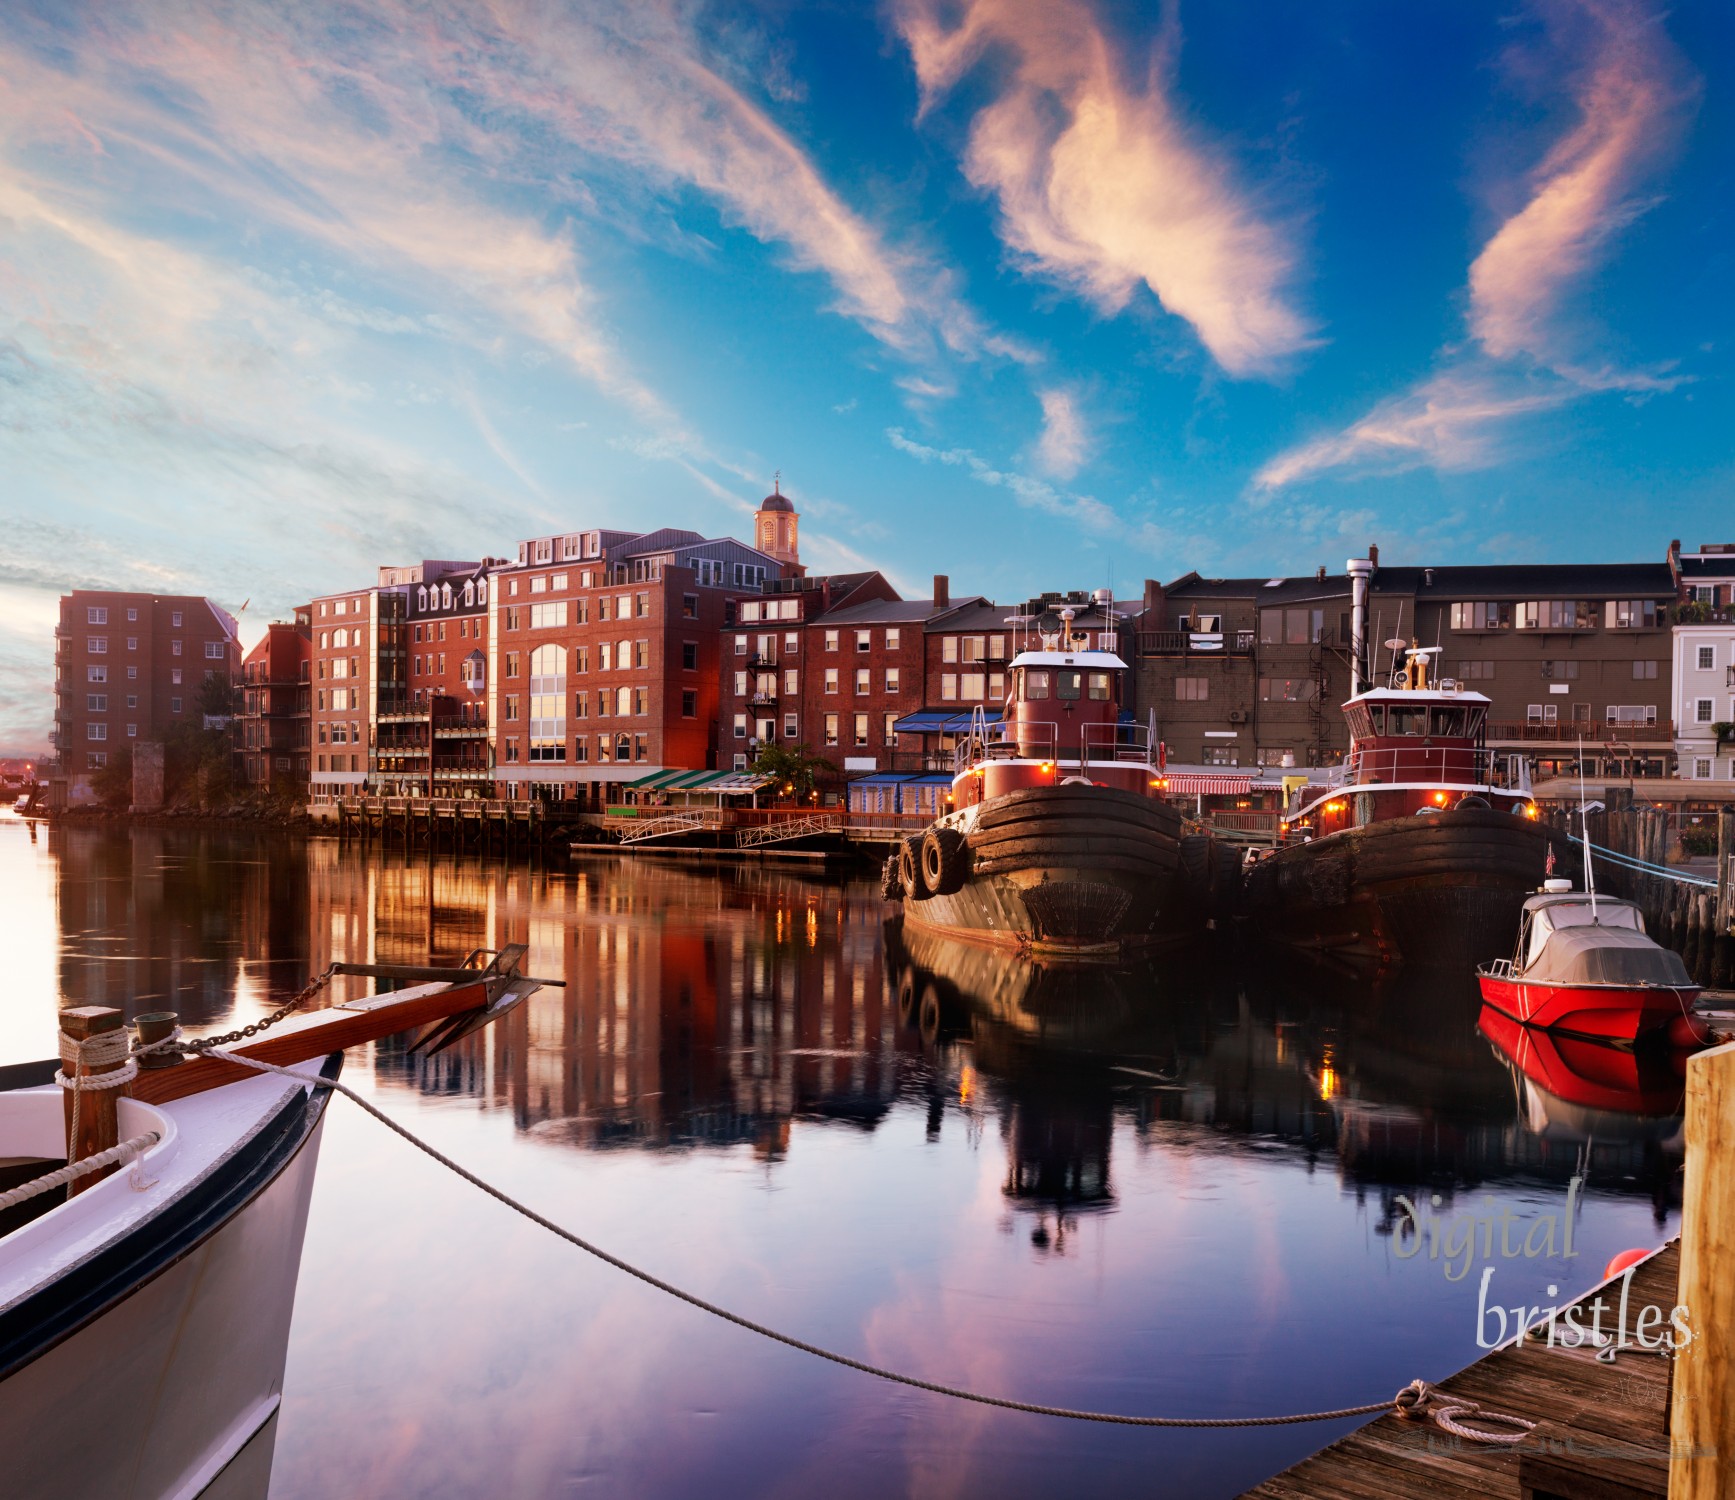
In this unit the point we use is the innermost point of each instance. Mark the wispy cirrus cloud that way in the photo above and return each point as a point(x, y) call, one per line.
point(1529, 352)
point(1100, 181)
point(1063, 447)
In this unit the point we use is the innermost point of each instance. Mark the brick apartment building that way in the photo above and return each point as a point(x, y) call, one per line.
point(1705, 577)
point(1251, 672)
point(274, 726)
point(361, 668)
point(604, 652)
point(131, 667)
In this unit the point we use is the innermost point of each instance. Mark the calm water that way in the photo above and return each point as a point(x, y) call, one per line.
point(1164, 1192)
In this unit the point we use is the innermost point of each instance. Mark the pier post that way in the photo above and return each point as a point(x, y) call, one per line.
point(1702, 1408)
point(98, 1109)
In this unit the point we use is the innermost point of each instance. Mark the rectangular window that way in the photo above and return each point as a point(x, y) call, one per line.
point(997, 687)
point(1563, 668)
point(1702, 710)
point(1475, 671)
point(132, 731)
point(890, 731)
point(602, 610)
point(831, 679)
point(790, 642)
point(96, 615)
point(861, 729)
point(891, 679)
point(512, 663)
point(557, 581)
point(740, 726)
point(892, 638)
point(1702, 770)
point(641, 701)
point(740, 645)
point(642, 606)
point(641, 654)
point(1707, 658)
point(214, 651)
point(132, 643)
point(132, 700)
point(864, 640)
point(1192, 689)
point(581, 705)
point(623, 606)
point(1644, 671)
point(831, 729)
point(95, 760)
point(740, 684)
point(548, 616)
point(689, 656)
point(175, 676)
point(689, 703)
point(174, 648)
point(791, 727)
point(689, 606)
point(604, 697)
point(96, 645)
point(863, 682)
point(96, 703)
point(831, 640)
point(96, 731)
point(1631, 614)
point(949, 648)
point(174, 705)
point(1482, 614)
point(513, 617)
point(581, 658)
point(997, 648)
point(175, 617)
point(96, 674)
point(580, 614)
point(948, 687)
point(1288, 689)
point(973, 686)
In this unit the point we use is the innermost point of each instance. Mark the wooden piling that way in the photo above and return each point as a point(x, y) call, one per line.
point(1702, 1408)
point(98, 1109)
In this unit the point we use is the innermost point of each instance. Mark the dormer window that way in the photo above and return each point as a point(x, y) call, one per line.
point(470, 593)
point(445, 596)
point(421, 598)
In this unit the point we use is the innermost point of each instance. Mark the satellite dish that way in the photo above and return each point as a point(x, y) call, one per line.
point(1396, 643)
point(1048, 623)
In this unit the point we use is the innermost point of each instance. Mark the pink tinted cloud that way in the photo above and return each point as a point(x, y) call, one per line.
point(1065, 441)
point(1632, 105)
point(1100, 182)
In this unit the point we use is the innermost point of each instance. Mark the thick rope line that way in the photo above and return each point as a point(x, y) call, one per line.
point(771, 1333)
point(60, 1176)
point(1633, 862)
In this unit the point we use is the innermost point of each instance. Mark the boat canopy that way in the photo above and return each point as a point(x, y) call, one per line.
point(1605, 954)
point(1544, 915)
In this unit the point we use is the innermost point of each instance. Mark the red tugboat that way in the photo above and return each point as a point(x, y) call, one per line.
point(1412, 852)
point(1585, 966)
point(1056, 840)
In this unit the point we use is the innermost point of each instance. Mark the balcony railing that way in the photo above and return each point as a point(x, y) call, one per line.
point(1569, 731)
point(1196, 642)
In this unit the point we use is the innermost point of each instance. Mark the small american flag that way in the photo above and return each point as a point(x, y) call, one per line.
point(1548, 869)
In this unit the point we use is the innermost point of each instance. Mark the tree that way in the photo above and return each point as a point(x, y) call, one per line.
point(792, 770)
point(113, 783)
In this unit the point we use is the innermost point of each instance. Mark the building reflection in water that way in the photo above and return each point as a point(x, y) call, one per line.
point(706, 1007)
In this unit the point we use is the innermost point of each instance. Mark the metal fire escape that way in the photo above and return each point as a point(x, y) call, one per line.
point(1321, 706)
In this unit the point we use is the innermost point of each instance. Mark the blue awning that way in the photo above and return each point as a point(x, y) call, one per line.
point(881, 778)
point(941, 721)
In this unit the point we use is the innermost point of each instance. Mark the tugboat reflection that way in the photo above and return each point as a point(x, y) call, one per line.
point(1391, 1080)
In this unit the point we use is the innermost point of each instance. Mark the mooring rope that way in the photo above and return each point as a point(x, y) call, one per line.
point(72, 1171)
point(101, 1050)
point(1643, 866)
point(1415, 1396)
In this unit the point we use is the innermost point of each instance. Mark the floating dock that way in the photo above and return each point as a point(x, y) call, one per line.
point(1601, 1428)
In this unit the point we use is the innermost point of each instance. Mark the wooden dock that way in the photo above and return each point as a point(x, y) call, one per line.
point(1601, 1434)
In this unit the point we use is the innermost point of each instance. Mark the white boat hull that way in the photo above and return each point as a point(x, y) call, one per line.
point(154, 1396)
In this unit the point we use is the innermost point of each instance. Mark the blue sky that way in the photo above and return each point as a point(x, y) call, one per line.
point(1038, 293)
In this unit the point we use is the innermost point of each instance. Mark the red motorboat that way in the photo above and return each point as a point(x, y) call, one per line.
point(1584, 965)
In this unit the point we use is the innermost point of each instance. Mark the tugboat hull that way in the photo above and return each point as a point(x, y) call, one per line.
point(1069, 871)
point(1403, 891)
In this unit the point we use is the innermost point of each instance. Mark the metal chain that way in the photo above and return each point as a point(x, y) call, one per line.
point(292, 1004)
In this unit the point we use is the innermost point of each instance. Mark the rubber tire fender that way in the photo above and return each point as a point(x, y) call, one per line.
point(910, 868)
point(945, 860)
point(891, 880)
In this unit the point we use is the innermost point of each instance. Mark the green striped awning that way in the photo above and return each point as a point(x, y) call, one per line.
point(656, 778)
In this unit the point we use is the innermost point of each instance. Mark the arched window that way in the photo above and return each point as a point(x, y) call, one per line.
point(548, 703)
point(623, 701)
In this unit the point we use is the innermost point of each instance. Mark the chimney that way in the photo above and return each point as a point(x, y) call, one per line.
point(1374, 554)
point(1320, 576)
point(942, 591)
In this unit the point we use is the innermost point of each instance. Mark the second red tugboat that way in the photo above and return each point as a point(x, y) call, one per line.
point(1412, 851)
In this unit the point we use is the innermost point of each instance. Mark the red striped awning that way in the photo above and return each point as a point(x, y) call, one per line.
point(1209, 786)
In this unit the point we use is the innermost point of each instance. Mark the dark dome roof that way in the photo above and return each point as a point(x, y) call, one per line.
point(775, 502)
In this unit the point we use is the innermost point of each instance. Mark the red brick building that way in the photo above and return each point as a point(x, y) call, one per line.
point(274, 728)
point(131, 667)
point(361, 669)
point(603, 656)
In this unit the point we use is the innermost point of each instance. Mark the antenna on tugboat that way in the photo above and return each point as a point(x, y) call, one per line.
point(1584, 826)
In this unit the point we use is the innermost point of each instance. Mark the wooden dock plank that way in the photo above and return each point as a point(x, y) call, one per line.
point(1611, 1413)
